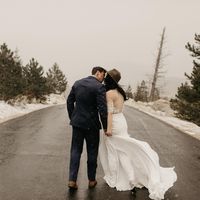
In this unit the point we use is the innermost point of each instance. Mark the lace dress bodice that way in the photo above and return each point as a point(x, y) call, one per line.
point(113, 109)
point(115, 102)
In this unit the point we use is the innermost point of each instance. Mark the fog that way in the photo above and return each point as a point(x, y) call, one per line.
point(79, 35)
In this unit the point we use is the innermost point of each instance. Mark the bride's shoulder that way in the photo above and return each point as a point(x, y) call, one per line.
point(111, 92)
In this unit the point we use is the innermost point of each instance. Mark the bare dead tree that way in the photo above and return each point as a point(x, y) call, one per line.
point(157, 71)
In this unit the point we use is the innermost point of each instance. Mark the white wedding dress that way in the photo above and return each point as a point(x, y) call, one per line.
point(129, 163)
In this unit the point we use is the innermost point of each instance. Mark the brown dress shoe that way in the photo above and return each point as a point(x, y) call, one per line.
point(92, 184)
point(72, 185)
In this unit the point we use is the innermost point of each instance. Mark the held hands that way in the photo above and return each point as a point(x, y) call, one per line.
point(108, 133)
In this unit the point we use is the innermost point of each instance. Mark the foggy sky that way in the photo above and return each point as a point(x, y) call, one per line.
point(80, 34)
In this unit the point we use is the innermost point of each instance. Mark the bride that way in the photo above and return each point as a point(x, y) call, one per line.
point(127, 162)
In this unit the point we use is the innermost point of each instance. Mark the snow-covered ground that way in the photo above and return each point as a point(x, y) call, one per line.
point(159, 109)
point(21, 108)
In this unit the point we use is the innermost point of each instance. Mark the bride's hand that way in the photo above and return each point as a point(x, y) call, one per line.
point(108, 133)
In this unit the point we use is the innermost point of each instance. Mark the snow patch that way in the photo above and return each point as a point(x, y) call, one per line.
point(22, 107)
point(161, 109)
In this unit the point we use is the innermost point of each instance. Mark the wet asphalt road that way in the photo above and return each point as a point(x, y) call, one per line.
point(34, 158)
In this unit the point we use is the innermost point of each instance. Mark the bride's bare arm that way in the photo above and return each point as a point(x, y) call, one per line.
point(109, 126)
point(110, 113)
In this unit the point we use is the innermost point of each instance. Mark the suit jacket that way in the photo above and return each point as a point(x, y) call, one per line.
point(86, 103)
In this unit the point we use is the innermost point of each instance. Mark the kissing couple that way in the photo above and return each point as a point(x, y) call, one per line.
point(127, 163)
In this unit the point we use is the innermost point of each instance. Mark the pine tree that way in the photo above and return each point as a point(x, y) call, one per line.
point(34, 80)
point(141, 93)
point(11, 80)
point(129, 93)
point(56, 80)
point(187, 101)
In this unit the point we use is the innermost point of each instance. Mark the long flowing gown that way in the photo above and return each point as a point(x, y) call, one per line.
point(129, 163)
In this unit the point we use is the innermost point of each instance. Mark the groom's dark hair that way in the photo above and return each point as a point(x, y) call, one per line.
point(100, 69)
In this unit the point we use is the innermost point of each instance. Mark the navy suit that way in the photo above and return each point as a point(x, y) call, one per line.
point(86, 105)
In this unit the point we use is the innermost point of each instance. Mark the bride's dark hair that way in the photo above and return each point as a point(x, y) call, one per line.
point(110, 84)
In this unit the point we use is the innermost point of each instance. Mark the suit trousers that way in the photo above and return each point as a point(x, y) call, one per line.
point(92, 144)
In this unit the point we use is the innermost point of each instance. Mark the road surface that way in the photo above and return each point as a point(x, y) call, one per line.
point(34, 158)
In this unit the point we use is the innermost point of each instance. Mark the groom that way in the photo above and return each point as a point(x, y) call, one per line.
point(85, 103)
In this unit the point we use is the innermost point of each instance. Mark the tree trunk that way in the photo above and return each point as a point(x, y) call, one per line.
point(155, 76)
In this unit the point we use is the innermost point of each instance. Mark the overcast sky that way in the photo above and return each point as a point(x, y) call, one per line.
point(80, 34)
